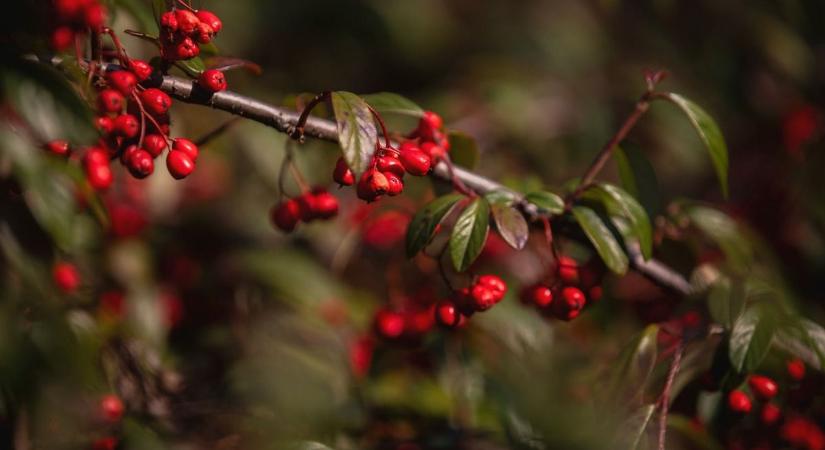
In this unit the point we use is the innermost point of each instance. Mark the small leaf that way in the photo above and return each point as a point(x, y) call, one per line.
point(638, 177)
point(500, 196)
point(225, 63)
point(193, 67)
point(469, 234)
point(511, 225)
point(751, 338)
point(423, 224)
point(726, 302)
point(620, 203)
point(357, 134)
point(388, 102)
point(546, 201)
point(602, 239)
point(709, 133)
point(463, 149)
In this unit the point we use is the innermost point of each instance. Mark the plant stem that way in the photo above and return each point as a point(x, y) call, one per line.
point(665, 399)
point(298, 132)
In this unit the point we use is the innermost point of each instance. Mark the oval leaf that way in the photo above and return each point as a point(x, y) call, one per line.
point(546, 201)
point(356, 130)
point(602, 239)
point(511, 225)
point(751, 338)
point(469, 234)
point(463, 149)
point(620, 203)
point(709, 133)
point(726, 301)
point(422, 226)
point(388, 102)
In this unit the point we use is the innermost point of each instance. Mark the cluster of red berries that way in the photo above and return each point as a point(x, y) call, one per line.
point(429, 137)
point(73, 17)
point(482, 295)
point(111, 411)
point(311, 205)
point(763, 388)
point(182, 31)
point(408, 323)
point(565, 297)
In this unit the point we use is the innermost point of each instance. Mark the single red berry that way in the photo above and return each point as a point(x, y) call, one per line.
point(447, 315)
point(140, 68)
point(58, 147)
point(325, 204)
point(110, 101)
point(186, 146)
point(212, 80)
point(570, 304)
point(66, 277)
point(210, 19)
point(126, 220)
point(111, 408)
point(391, 164)
point(122, 80)
point(739, 402)
point(360, 355)
point(127, 125)
point(169, 21)
point(416, 162)
point(185, 49)
point(568, 270)
point(99, 176)
point(435, 151)
point(155, 101)
point(431, 120)
point(342, 173)
point(440, 139)
point(140, 163)
point(204, 33)
point(372, 185)
point(105, 443)
point(418, 321)
point(396, 186)
point(155, 144)
point(180, 165)
point(493, 282)
point(483, 297)
point(61, 38)
point(105, 125)
point(187, 21)
point(541, 296)
point(95, 16)
point(306, 202)
point(796, 369)
point(389, 324)
point(286, 215)
point(770, 414)
point(763, 387)
point(594, 294)
point(95, 156)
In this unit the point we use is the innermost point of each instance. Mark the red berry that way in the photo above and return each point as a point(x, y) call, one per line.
point(306, 202)
point(111, 408)
point(395, 184)
point(483, 297)
point(416, 162)
point(127, 125)
point(180, 165)
point(95, 16)
point(360, 355)
point(325, 204)
point(389, 324)
point(447, 315)
point(110, 101)
point(493, 282)
point(431, 120)
point(739, 402)
point(770, 414)
point(594, 294)
point(210, 19)
point(68, 10)
point(204, 33)
point(186, 146)
point(342, 173)
point(212, 80)
point(568, 270)
point(140, 163)
point(435, 151)
point(541, 296)
point(391, 164)
point(141, 69)
point(105, 125)
point(169, 21)
point(285, 215)
point(372, 185)
point(796, 369)
point(570, 304)
point(99, 176)
point(66, 277)
point(762, 387)
point(187, 21)
point(183, 49)
point(155, 101)
point(155, 144)
point(58, 147)
point(106, 443)
point(61, 38)
point(95, 156)
point(122, 80)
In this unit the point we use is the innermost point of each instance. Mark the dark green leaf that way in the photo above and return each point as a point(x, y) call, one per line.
point(639, 178)
point(548, 202)
point(388, 102)
point(726, 233)
point(751, 338)
point(193, 67)
point(423, 224)
point(500, 196)
point(602, 239)
point(620, 203)
point(356, 130)
point(709, 133)
point(726, 301)
point(463, 149)
point(511, 225)
point(469, 234)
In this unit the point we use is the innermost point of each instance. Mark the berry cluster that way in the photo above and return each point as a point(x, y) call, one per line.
point(564, 298)
point(182, 31)
point(74, 17)
point(311, 205)
point(482, 295)
point(408, 323)
point(110, 410)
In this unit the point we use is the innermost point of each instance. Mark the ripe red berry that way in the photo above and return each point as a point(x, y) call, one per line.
point(155, 144)
point(95, 156)
point(762, 387)
point(306, 202)
point(68, 10)
point(104, 124)
point(58, 147)
point(342, 173)
point(210, 19)
point(568, 270)
point(123, 81)
point(180, 165)
point(541, 296)
point(488, 290)
point(140, 68)
point(389, 324)
point(796, 369)
point(212, 80)
point(95, 16)
point(99, 175)
point(416, 162)
point(140, 163)
point(184, 49)
point(391, 164)
point(495, 283)
point(155, 101)
point(325, 204)
point(187, 21)
point(570, 304)
point(127, 125)
point(66, 277)
point(169, 21)
point(110, 101)
point(186, 146)
point(111, 408)
point(372, 185)
point(105, 443)
point(435, 151)
point(431, 120)
point(61, 38)
point(204, 33)
point(447, 315)
point(285, 215)
point(770, 414)
point(396, 186)
point(739, 402)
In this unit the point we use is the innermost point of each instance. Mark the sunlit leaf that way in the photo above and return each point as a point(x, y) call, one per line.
point(463, 149)
point(388, 102)
point(356, 130)
point(602, 239)
point(225, 63)
point(637, 424)
point(547, 202)
point(511, 225)
point(469, 234)
point(423, 224)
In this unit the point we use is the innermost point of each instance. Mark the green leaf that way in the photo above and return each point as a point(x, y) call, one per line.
point(726, 302)
point(193, 67)
point(388, 102)
point(751, 338)
point(469, 234)
point(500, 196)
point(602, 239)
point(356, 130)
point(638, 177)
point(620, 203)
point(632, 371)
point(709, 133)
point(423, 224)
point(725, 232)
point(805, 339)
point(463, 149)
point(511, 225)
point(547, 202)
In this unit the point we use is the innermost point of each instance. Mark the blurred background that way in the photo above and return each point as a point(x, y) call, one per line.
point(234, 335)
